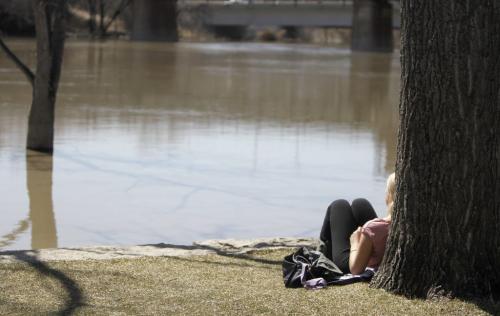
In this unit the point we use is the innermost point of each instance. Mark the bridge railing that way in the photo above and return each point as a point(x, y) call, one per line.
point(395, 3)
point(265, 2)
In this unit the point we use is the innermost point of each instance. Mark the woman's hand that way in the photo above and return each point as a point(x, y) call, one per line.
point(354, 239)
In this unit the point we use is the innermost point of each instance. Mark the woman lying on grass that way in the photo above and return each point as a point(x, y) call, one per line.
point(354, 238)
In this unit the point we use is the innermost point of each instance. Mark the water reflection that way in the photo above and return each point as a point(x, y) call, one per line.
point(11, 237)
point(177, 86)
point(372, 99)
point(39, 181)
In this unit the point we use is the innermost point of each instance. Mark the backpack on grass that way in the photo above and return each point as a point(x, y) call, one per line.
point(313, 270)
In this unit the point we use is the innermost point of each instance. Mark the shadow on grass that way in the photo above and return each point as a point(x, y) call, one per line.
point(491, 306)
point(104, 252)
point(75, 298)
point(220, 263)
point(220, 252)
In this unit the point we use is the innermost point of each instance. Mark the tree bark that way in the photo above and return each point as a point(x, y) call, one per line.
point(50, 34)
point(445, 235)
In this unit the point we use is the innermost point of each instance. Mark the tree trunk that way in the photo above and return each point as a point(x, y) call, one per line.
point(154, 20)
point(102, 16)
point(445, 235)
point(119, 10)
point(372, 26)
point(49, 22)
point(92, 16)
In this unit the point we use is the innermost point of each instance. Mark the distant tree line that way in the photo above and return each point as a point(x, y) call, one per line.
point(100, 14)
point(49, 19)
point(94, 17)
point(16, 17)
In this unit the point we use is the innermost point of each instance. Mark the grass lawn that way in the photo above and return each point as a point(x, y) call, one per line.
point(199, 285)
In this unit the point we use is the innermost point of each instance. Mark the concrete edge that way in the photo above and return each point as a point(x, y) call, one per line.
point(199, 248)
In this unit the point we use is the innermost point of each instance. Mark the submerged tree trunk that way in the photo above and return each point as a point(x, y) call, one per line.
point(118, 11)
point(445, 236)
point(102, 16)
point(50, 35)
point(92, 16)
point(154, 20)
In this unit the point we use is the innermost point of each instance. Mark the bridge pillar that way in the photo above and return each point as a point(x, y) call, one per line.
point(231, 32)
point(372, 26)
point(292, 32)
point(154, 20)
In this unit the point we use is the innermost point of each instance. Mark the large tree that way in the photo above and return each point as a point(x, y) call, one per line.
point(50, 35)
point(445, 235)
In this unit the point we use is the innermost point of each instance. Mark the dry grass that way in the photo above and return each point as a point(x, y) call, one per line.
point(196, 286)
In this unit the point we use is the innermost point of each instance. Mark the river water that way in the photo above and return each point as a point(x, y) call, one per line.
point(180, 142)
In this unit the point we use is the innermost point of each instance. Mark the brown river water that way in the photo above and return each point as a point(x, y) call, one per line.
point(180, 142)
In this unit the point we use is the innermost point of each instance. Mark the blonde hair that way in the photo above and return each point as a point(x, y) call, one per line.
point(390, 194)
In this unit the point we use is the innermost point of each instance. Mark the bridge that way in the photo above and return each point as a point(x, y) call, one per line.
point(372, 21)
point(286, 13)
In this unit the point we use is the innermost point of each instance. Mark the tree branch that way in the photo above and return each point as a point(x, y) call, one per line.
point(25, 70)
point(124, 4)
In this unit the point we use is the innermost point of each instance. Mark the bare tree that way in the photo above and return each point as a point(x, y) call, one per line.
point(17, 17)
point(445, 235)
point(109, 11)
point(50, 36)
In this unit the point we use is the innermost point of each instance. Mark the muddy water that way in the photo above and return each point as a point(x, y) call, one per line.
point(175, 143)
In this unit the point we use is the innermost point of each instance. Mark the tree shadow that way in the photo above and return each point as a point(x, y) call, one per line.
point(75, 298)
point(491, 305)
point(207, 261)
point(220, 252)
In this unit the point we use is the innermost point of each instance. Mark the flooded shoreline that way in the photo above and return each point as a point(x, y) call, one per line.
point(180, 142)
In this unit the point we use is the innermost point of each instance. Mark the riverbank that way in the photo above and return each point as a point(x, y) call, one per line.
point(212, 277)
point(199, 248)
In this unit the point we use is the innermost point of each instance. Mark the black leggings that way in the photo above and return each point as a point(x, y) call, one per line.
point(341, 220)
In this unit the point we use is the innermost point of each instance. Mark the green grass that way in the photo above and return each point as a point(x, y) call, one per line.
point(201, 285)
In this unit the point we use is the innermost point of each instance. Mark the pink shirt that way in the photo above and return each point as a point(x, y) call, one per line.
point(377, 230)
